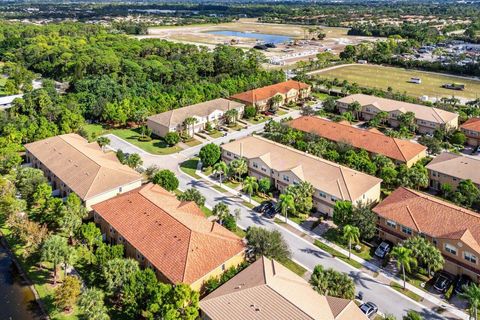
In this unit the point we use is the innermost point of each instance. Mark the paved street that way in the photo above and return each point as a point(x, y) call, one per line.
point(305, 253)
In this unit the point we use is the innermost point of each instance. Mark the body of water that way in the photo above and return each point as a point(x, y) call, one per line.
point(267, 38)
point(17, 301)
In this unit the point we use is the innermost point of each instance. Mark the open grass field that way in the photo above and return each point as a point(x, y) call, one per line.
point(155, 146)
point(383, 77)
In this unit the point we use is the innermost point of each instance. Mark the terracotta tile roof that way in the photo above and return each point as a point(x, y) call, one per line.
point(174, 236)
point(267, 290)
point(372, 141)
point(268, 92)
point(334, 179)
point(421, 112)
point(472, 124)
point(82, 166)
point(455, 165)
point(177, 116)
point(426, 214)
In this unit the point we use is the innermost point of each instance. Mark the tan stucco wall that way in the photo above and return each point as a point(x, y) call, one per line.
point(112, 193)
point(157, 129)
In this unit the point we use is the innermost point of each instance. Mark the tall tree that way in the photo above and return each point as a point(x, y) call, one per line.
point(250, 185)
point(220, 211)
point(286, 204)
point(351, 234)
point(116, 273)
point(238, 167)
point(209, 154)
point(192, 194)
point(220, 168)
point(405, 260)
point(166, 179)
point(54, 250)
point(66, 295)
point(332, 283)
point(92, 305)
point(270, 244)
point(472, 294)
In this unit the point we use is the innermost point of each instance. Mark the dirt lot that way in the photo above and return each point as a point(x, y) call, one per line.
point(285, 53)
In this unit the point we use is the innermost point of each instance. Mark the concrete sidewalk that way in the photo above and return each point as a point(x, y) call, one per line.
point(429, 300)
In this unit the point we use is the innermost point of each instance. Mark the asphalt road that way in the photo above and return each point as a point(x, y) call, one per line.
point(303, 252)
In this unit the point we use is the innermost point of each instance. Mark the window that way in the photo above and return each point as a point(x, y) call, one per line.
point(406, 230)
point(454, 179)
point(264, 169)
point(223, 267)
point(333, 199)
point(434, 174)
point(120, 239)
point(391, 224)
point(286, 178)
point(323, 195)
point(450, 249)
point(229, 154)
point(470, 257)
point(255, 165)
point(120, 189)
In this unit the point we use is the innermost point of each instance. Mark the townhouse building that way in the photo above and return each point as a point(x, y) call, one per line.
point(172, 237)
point(267, 290)
point(428, 119)
point(262, 98)
point(285, 166)
point(212, 112)
point(453, 230)
point(450, 168)
point(72, 164)
point(471, 128)
point(376, 143)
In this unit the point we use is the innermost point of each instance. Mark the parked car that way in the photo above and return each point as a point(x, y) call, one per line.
point(443, 281)
point(369, 308)
point(264, 206)
point(462, 281)
point(383, 249)
point(270, 213)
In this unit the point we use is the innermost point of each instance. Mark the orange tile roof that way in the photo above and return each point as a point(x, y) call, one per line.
point(426, 214)
point(472, 124)
point(81, 165)
point(175, 237)
point(370, 140)
point(268, 92)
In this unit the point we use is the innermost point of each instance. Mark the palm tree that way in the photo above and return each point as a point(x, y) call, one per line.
point(220, 211)
point(355, 107)
point(472, 294)
point(102, 142)
point(189, 122)
point(285, 204)
point(220, 168)
point(275, 101)
point(405, 260)
point(231, 116)
point(250, 185)
point(238, 167)
point(351, 234)
point(54, 250)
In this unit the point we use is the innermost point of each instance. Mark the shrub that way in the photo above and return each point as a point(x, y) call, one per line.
point(144, 138)
point(172, 138)
point(250, 112)
point(166, 179)
point(209, 154)
point(230, 223)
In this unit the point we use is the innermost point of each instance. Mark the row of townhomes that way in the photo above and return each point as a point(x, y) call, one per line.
point(428, 119)
point(213, 111)
point(285, 166)
point(372, 140)
point(450, 168)
point(455, 231)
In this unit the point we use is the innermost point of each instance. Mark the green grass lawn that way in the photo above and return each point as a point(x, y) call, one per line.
point(240, 232)
point(258, 119)
point(337, 254)
point(206, 211)
point(218, 188)
point(383, 77)
point(406, 292)
point(155, 146)
point(320, 96)
point(293, 266)
point(190, 167)
point(248, 204)
point(192, 142)
point(232, 184)
point(335, 236)
point(216, 134)
point(235, 127)
point(280, 112)
point(2, 85)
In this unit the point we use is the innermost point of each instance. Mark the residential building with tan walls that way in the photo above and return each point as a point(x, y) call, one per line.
point(428, 119)
point(398, 150)
point(212, 112)
point(172, 237)
point(266, 290)
point(285, 166)
point(261, 98)
point(72, 164)
point(450, 168)
point(455, 231)
point(471, 128)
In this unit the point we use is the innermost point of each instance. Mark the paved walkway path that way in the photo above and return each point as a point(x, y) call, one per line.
point(375, 289)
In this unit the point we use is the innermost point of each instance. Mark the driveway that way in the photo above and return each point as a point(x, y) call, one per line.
point(303, 252)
